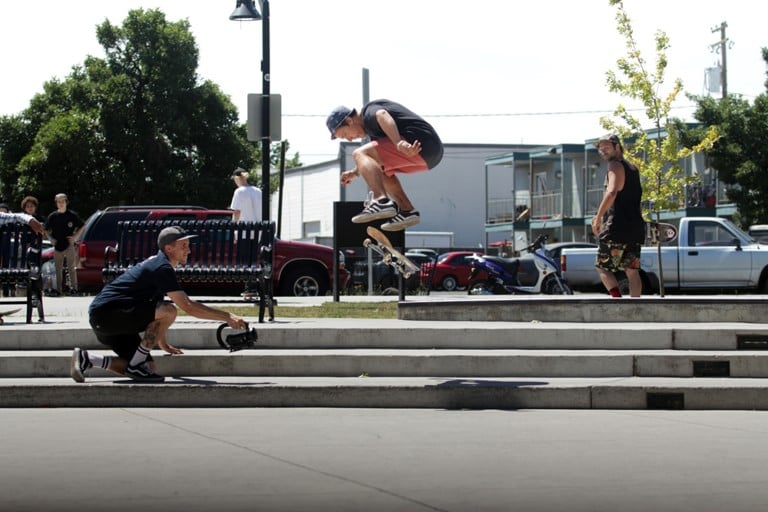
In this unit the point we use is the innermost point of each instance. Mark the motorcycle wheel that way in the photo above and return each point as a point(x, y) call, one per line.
point(480, 288)
point(551, 287)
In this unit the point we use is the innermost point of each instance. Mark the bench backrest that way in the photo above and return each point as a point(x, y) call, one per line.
point(20, 248)
point(214, 246)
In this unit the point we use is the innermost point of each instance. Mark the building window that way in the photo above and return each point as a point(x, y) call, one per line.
point(311, 228)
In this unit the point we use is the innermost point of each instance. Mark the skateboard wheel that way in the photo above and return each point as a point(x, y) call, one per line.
point(367, 243)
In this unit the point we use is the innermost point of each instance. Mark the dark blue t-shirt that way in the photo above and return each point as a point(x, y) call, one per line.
point(410, 125)
point(149, 281)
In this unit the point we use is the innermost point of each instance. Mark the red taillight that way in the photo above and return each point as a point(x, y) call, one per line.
point(562, 262)
point(81, 251)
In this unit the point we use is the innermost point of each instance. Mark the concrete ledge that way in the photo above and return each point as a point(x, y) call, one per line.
point(433, 393)
point(592, 309)
point(362, 333)
point(415, 363)
point(695, 394)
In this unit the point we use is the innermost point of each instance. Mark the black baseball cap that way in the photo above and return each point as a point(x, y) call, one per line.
point(337, 117)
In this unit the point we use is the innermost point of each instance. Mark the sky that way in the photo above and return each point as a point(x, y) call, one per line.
point(485, 71)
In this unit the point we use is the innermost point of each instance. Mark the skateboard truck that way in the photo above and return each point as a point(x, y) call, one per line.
point(239, 341)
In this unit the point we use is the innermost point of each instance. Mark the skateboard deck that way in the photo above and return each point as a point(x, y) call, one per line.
point(6, 313)
point(391, 256)
point(660, 232)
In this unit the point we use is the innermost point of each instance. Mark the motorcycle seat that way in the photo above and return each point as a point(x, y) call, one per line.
point(510, 265)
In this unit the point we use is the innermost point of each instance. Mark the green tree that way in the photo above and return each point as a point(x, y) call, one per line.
point(740, 155)
point(136, 127)
point(657, 152)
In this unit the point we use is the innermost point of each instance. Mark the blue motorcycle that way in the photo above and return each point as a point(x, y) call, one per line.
point(539, 274)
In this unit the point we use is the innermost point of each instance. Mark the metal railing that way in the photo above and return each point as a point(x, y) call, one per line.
point(550, 205)
point(547, 206)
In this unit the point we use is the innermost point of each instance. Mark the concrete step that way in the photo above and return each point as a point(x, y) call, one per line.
point(394, 392)
point(362, 333)
point(587, 308)
point(417, 363)
point(629, 362)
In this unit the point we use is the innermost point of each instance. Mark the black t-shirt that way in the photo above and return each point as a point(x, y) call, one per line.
point(61, 225)
point(148, 281)
point(411, 128)
point(625, 217)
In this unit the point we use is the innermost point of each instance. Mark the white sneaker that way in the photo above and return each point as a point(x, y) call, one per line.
point(376, 210)
point(401, 221)
point(79, 364)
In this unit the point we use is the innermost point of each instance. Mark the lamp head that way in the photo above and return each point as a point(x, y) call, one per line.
point(245, 10)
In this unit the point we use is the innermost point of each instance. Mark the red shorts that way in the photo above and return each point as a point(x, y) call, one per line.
point(394, 161)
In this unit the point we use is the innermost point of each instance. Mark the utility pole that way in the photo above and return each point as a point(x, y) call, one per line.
point(720, 47)
point(366, 86)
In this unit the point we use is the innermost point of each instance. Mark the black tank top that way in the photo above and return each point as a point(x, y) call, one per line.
point(625, 218)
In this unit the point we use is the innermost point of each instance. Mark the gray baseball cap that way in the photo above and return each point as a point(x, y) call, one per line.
point(172, 234)
point(608, 137)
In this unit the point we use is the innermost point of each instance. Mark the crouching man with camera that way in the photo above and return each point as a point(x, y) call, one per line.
point(134, 303)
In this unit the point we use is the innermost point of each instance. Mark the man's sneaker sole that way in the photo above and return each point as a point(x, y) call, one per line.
point(75, 370)
point(144, 377)
point(362, 218)
point(401, 225)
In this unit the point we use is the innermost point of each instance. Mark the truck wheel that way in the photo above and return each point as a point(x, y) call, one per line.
point(624, 284)
point(303, 283)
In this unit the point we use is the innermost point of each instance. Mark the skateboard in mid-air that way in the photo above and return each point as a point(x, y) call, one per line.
point(661, 232)
point(6, 313)
point(391, 256)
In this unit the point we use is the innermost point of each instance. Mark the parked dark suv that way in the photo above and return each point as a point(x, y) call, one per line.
point(300, 269)
point(384, 276)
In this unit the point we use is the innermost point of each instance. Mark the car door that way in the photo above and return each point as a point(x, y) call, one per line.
point(712, 257)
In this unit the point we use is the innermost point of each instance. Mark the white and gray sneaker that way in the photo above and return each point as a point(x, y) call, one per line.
point(80, 363)
point(401, 221)
point(376, 210)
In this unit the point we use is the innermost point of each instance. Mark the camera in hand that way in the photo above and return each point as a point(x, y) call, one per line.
point(237, 341)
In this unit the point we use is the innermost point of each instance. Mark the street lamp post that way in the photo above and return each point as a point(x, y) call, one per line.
point(245, 10)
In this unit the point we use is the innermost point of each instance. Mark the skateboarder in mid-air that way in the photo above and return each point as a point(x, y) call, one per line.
point(133, 303)
point(401, 142)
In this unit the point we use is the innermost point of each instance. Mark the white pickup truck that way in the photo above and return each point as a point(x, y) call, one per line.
point(710, 253)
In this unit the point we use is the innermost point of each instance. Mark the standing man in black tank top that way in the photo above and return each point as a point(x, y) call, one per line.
point(618, 223)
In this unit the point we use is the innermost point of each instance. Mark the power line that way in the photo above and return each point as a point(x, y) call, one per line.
point(516, 114)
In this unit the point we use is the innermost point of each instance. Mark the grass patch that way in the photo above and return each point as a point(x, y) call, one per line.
point(325, 310)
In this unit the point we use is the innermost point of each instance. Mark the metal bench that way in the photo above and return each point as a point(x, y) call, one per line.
point(219, 254)
point(20, 262)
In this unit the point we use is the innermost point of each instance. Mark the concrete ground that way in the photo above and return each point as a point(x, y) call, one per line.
point(381, 460)
point(402, 460)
